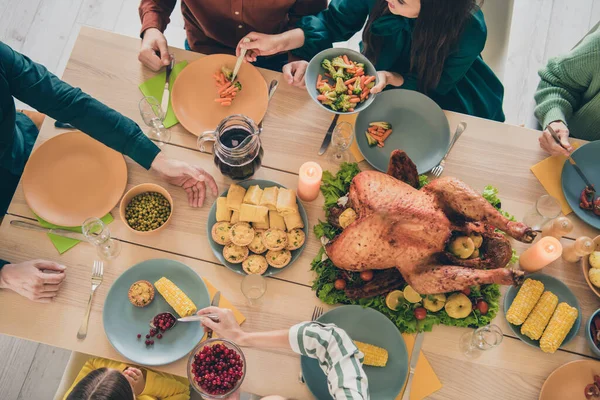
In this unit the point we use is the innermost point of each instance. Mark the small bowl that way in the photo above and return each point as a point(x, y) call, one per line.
point(588, 334)
point(314, 69)
point(231, 346)
point(144, 188)
point(585, 266)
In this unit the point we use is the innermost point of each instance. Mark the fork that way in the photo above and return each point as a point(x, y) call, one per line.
point(439, 169)
point(317, 313)
point(97, 274)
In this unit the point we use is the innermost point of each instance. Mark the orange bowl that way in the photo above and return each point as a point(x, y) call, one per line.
point(585, 266)
point(144, 188)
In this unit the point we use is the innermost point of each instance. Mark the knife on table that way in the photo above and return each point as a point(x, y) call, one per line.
point(327, 138)
point(571, 160)
point(214, 303)
point(413, 364)
point(164, 104)
point(58, 232)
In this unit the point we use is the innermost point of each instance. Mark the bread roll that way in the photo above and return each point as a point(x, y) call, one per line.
point(264, 224)
point(276, 221)
point(250, 213)
point(269, 197)
point(235, 197)
point(293, 221)
point(235, 217)
point(286, 202)
point(253, 195)
point(223, 213)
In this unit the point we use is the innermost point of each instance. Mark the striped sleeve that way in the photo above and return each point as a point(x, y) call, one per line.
point(339, 358)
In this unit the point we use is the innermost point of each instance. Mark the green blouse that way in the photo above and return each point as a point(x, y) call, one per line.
point(467, 84)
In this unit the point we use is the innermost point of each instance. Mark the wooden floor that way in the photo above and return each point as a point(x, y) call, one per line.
point(45, 30)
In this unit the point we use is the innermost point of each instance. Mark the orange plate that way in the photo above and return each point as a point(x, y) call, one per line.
point(194, 94)
point(568, 382)
point(72, 177)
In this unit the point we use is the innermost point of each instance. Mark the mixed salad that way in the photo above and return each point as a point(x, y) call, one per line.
point(227, 89)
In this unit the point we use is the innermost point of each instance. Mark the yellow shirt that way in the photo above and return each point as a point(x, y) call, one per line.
point(159, 386)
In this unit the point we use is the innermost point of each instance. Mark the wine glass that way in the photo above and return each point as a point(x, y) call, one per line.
point(98, 234)
point(545, 209)
point(153, 116)
point(254, 287)
point(472, 344)
point(341, 140)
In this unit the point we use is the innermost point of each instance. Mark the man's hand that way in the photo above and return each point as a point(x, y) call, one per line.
point(227, 327)
point(294, 72)
point(30, 280)
point(154, 41)
point(260, 44)
point(548, 143)
point(191, 178)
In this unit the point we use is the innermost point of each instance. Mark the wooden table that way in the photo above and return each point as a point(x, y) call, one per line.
point(105, 65)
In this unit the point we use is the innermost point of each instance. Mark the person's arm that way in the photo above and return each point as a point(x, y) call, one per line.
point(165, 387)
point(302, 8)
point(34, 85)
point(155, 14)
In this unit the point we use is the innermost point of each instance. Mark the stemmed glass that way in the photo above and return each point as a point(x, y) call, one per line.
point(545, 209)
point(254, 287)
point(153, 116)
point(341, 139)
point(472, 344)
point(98, 234)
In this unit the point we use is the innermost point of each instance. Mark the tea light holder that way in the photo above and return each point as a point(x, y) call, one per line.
point(547, 250)
point(309, 181)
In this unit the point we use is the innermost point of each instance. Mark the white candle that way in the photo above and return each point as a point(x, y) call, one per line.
point(309, 181)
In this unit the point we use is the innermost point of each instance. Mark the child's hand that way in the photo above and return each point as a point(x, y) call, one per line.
point(136, 380)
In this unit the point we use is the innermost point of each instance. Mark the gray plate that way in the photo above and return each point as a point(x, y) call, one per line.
point(368, 326)
point(420, 129)
point(218, 249)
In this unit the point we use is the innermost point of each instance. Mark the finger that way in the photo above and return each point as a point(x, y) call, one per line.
point(194, 173)
point(51, 279)
point(136, 372)
point(210, 310)
point(190, 195)
point(288, 73)
point(195, 198)
point(564, 140)
point(250, 41)
point(51, 288)
point(150, 59)
point(377, 88)
point(201, 193)
point(45, 295)
point(165, 57)
point(210, 181)
point(43, 264)
point(209, 323)
point(299, 76)
point(42, 300)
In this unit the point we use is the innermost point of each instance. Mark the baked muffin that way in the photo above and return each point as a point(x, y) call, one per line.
point(141, 293)
point(257, 246)
point(296, 238)
point(241, 234)
point(275, 239)
point(255, 264)
point(235, 254)
point(220, 233)
point(279, 258)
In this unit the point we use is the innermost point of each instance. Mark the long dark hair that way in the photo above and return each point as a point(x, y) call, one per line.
point(436, 33)
point(102, 384)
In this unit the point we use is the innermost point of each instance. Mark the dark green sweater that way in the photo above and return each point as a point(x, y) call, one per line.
point(467, 84)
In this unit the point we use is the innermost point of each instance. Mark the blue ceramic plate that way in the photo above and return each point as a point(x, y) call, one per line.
point(314, 69)
point(368, 326)
point(587, 158)
point(218, 249)
point(123, 321)
point(420, 128)
point(555, 286)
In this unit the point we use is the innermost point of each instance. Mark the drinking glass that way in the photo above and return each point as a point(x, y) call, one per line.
point(545, 209)
point(98, 234)
point(472, 344)
point(153, 116)
point(341, 139)
point(254, 287)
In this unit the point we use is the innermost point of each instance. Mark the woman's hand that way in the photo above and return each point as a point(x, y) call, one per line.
point(31, 280)
point(386, 78)
point(154, 41)
point(548, 143)
point(191, 178)
point(227, 327)
point(294, 72)
point(135, 377)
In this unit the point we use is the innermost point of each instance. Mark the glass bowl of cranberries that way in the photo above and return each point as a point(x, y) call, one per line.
point(216, 368)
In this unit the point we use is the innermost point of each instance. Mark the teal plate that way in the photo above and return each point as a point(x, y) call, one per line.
point(218, 249)
point(587, 159)
point(555, 286)
point(420, 128)
point(368, 326)
point(123, 321)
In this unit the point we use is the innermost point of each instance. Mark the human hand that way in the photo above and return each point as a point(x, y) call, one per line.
point(227, 327)
point(154, 41)
point(191, 178)
point(548, 143)
point(386, 78)
point(294, 72)
point(135, 377)
point(29, 279)
point(260, 44)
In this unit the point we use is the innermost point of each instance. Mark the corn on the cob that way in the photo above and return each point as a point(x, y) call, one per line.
point(526, 299)
point(374, 356)
point(537, 321)
point(559, 326)
point(175, 297)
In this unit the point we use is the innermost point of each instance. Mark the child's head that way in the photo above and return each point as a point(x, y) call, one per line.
point(102, 384)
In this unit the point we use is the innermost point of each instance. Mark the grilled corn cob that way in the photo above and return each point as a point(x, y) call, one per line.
point(538, 319)
point(559, 326)
point(175, 297)
point(526, 299)
point(374, 356)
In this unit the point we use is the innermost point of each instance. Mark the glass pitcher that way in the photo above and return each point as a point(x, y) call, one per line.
point(237, 148)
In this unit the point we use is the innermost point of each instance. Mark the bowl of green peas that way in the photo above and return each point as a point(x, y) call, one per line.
point(146, 208)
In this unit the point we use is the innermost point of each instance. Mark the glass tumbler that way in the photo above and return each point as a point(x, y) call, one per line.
point(546, 208)
point(254, 287)
point(153, 116)
point(341, 140)
point(472, 344)
point(98, 234)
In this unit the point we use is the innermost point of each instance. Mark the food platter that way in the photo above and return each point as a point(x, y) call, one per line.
point(569, 380)
point(123, 321)
point(586, 265)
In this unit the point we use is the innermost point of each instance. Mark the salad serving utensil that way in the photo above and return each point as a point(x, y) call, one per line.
point(238, 63)
point(589, 185)
point(191, 318)
point(439, 169)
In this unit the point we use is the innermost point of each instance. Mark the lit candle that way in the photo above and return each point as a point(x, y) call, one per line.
point(540, 254)
point(309, 181)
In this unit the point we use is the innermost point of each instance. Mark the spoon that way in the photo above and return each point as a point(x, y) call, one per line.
point(191, 318)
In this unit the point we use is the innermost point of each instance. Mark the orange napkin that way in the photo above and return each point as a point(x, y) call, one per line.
point(425, 382)
point(354, 150)
point(223, 303)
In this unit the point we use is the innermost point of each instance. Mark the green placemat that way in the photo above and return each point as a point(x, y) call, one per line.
point(156, 86)
point(61, 243)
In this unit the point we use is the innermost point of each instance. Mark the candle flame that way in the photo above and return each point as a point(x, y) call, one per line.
point(311, 172)
point(550, 248)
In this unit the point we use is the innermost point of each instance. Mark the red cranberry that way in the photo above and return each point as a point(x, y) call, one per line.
point(159, 336)
point(139, 335)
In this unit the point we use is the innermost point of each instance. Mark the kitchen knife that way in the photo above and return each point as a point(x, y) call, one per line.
point(58, 232)
point(413, 364)
point(164, 104)
point(214, 303)
point(571, 160)
point(327, 138)
point(239, 61)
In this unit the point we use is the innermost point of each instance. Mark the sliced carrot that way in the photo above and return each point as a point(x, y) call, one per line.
point(319, 78)
point(225, 87)
point(364, 95)
point(226, 103)
point(346, 60)
point(351, 109)
point(369, 80)
point(351, 70)
point(351, 80)
point(328, 75)
point(350, 92)
point(321, 97)
point(386, 134)
point(219, 100)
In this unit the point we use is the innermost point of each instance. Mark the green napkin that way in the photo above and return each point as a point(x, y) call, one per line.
point(61, 243)
point(156, 86)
